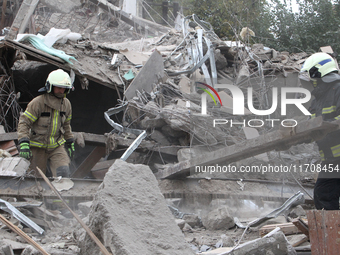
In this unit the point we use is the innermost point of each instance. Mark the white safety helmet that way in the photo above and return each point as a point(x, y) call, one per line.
point(317, 66)
point(58, 78)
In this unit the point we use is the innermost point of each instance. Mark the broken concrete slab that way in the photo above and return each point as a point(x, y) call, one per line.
point(129, 206)
point(151, 72)
point(217, 219)
point(192, 220)
point(5, 248)
point(273, 243)
point(297, 212)
point(180, 223)
point(13, 166)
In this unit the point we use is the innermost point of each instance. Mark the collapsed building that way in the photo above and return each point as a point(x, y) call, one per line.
point(154, 143)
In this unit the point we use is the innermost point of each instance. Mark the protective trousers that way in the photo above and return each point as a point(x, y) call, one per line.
point(327, 187)
point(57, 159)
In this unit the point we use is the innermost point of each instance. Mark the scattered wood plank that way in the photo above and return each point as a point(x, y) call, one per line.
point(10, 147)
point(22, 234)
point(287, 228)
point(296, 240)
point(300, 224)
point(280, 139)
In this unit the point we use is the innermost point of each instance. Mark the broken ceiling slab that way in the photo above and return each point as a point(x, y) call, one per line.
point(87, 67)
point(280, 139)
point(145, 80)
point(136, 58)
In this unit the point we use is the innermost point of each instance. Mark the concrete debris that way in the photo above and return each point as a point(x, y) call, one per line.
point(192, 220)
point(129, 206)
point(5, 248)
point(273, 243)
point(225, 241)
point(180, 223)
point(13, 166)
point(85, 207)
point(219, 218)
point(297, 212)
point(187, 228)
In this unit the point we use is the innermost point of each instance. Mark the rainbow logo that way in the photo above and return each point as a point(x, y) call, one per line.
point(209, 93)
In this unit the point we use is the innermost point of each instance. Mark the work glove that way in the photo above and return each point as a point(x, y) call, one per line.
point(70, 148)
point(25, 151)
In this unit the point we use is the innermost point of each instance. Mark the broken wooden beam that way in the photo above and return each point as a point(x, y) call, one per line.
point(287, 228)
point(92, 159)
point(19, 232)
point(279, 140)
point(300, 224)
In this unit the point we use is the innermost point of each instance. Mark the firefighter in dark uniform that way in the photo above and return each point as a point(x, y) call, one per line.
point(321, 70)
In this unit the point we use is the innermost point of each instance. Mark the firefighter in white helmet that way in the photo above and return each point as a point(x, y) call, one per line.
point(321, 71)
point(44, 131)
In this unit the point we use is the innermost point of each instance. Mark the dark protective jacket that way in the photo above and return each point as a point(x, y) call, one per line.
point(327, 104)
point(46, 122)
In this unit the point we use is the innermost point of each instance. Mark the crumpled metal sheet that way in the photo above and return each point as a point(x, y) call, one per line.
point(141, 133)
point(297, 199)
point(7, 207)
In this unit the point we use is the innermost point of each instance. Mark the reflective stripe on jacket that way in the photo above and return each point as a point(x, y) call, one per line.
point(46, 122)
point(327, 104)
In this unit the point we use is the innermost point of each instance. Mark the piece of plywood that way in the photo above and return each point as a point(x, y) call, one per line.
point(286, 228)
point(324, 231)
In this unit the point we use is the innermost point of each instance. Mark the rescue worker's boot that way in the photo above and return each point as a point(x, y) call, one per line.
point(63, 171)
